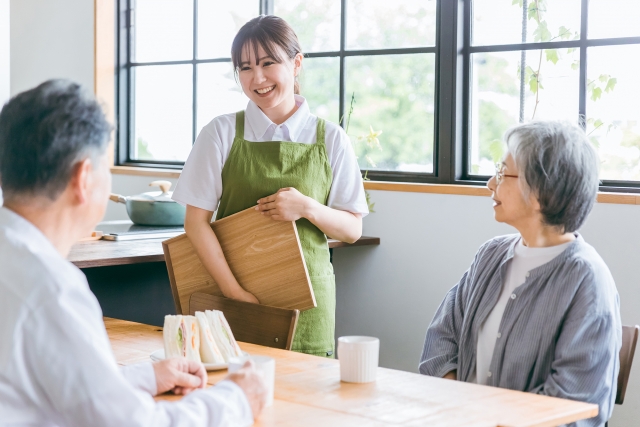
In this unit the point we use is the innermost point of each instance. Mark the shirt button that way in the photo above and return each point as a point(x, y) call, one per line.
point(489, 374)
point(513, 296)
point(499, 334)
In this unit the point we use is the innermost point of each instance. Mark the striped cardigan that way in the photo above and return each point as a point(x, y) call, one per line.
point(560, 335)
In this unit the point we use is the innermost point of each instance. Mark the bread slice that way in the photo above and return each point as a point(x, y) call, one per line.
point(181, 336)
point(209, 351)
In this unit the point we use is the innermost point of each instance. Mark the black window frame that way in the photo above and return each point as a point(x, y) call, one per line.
point(452, 51)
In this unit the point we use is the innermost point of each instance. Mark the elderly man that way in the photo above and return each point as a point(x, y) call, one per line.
point(537, 311)
point(56, 364)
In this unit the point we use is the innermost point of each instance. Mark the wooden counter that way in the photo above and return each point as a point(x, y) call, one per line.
point(308, 392)
point(103, 253)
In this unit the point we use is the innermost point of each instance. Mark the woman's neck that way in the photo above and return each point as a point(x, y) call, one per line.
point(281, 112)
point(543, 236)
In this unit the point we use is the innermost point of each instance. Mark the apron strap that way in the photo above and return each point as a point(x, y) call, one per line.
point(320, 131)
point(240, 124)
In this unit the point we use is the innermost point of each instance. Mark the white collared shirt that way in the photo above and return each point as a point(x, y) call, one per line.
point(56, 363)
point(200, 183)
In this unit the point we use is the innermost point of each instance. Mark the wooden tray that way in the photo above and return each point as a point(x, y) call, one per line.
point(264, 255)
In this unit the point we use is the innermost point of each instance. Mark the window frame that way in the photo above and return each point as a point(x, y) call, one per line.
point(452, 51)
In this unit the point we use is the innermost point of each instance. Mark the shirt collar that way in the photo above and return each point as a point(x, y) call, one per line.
point(260, 123)
point(20, 229)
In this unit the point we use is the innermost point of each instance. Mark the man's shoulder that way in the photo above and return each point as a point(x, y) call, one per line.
point(32, 278)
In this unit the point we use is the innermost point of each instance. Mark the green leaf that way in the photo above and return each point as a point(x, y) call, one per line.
point(596, 94)
point(604, 77)
point(611, 84)
point(518, 2)
point(552, 55)
point(496, 149)
point(533, 12)
point(571, 50)
point(575, 65)
point(542, 33)
point(533, 84)
point(564, 33)
point(598, 123)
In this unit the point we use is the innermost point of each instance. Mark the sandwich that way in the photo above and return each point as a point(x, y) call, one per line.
point(209, 351)
point(205, 337)
point(222, 334)
point(181, 337)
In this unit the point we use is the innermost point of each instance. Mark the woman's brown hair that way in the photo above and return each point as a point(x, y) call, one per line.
point(268, 32)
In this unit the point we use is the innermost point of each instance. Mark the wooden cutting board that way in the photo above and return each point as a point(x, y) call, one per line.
point(264, 255)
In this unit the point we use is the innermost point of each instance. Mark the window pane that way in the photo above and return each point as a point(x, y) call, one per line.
point(383, 24)
point(613, 110)
point(497, 100)
point(163, 112)
point(614, 18)
point(393, 94)
point(218, 92)
point(320, 85)
point(162, 30)
point(316, 22)
point(501, 21)
point(218, 24)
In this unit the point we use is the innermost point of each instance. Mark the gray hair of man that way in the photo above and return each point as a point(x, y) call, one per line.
point(44, 133)
point(557, 164)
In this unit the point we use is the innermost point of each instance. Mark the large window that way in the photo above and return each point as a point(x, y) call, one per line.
point(424, 88)
point(552, 59)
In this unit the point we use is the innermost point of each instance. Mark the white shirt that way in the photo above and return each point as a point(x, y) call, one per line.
point(524, 260)
point(200, 183)
point(56, 363)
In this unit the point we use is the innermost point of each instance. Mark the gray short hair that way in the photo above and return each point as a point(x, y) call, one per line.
point(559, 166)
point(44, 132)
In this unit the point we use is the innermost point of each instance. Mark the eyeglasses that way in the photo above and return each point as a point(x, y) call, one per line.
point(500, 175)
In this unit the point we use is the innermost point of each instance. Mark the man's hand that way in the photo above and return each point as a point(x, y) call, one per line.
point(180, 375)
point(288, 204)
point(250, 381)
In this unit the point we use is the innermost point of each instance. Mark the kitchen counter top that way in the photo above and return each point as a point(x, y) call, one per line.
point(103, 253)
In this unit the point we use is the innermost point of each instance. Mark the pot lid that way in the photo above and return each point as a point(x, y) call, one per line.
point(156, 196)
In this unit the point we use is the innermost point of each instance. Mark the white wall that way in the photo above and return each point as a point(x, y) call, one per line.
point(51, 39)
point(4, 51)
point(428, 240)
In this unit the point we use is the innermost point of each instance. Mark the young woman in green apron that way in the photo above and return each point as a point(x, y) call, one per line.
point(278, 157)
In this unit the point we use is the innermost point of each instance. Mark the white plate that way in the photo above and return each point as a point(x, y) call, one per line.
point(159, 355)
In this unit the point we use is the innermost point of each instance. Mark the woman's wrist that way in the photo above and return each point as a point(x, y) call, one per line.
point(311, 208)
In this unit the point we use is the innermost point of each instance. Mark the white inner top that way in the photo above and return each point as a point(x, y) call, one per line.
point(524, 260)
point(200, 183)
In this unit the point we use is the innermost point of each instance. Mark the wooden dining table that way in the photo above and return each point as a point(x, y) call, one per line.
point(308, 392)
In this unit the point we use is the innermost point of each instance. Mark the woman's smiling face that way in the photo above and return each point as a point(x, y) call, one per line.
point(266, 82)
point(510, 204)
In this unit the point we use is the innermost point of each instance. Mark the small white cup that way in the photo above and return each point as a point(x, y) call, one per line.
point(358, 358)
point(266, 367)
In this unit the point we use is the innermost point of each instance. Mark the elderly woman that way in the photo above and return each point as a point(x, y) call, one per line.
point(537, 311)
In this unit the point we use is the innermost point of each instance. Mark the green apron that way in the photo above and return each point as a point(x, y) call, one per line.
point(259, 169)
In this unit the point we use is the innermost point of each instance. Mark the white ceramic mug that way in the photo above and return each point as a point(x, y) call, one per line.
point(358, 358)
point(266, 367)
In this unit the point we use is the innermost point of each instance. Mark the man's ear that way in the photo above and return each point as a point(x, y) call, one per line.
point(80, 182)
